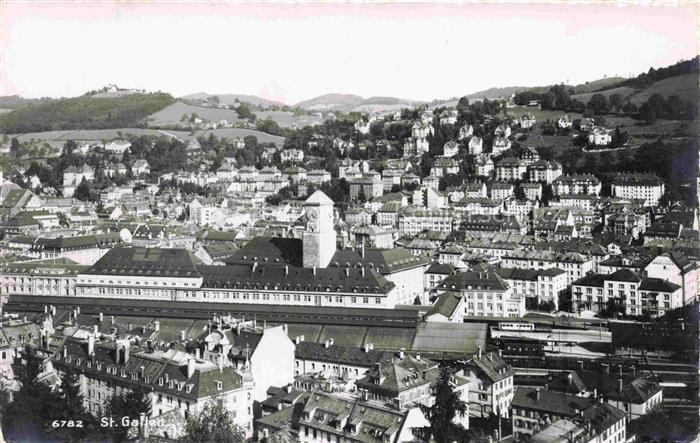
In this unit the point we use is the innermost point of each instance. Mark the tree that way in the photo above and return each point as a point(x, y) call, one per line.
point(82, 192)
point(463, 105)
point(250, 141)
point(599, 104)
point(34, 405)
point(213, 424)
point(616, 101)
point(442, 414)
point(449, 180)
point(648, 113)
point(71, 403)
point(244, 111)
point(130, 404)
point(14, 147)
point(548, 100)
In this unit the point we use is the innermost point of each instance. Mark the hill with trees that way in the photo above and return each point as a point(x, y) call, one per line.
point(232, 99)
point(84, 112)
point(350, 102)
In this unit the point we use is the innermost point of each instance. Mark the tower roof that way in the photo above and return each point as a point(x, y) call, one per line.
point(319, 198)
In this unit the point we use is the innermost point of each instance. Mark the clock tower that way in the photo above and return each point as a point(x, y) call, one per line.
point(319, 236)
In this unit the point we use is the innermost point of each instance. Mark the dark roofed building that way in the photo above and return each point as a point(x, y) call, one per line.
point(270, 251)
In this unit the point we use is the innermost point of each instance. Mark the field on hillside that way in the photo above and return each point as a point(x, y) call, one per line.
point(286, 119)
point(684, 86)
point(171, 115)
point(241, 133)
point(5, 110)
point(624, 91)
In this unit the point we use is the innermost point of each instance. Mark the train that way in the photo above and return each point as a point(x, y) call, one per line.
point(519, 326)
point(180, 309)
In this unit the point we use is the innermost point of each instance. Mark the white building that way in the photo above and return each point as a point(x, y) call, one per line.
point(647, 187)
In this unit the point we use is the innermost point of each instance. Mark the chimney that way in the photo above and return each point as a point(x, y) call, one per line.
point(620, 370)
point(46, 309)
point(126, 351)
point(111, 319)
point(156, 325)
point(196, 353)
point(537, 394)
point(606, 368)
point(418, 356)
point(131, 326)
point(220, 362)
point(91, 345)
point(95, 330)
point(142, 372)
point(619, 385)
point(478, 352)
point(314, 270)
point(53, 310)
point(77, 309)
point(265, 433)
point(570, 378)
point(580, 365)
point(238, 328)
point(182, 335)
point(101, 317)
point(500, 352)
point(298, 339)
point(331, 341)
point(366, 348)
point(402, 352)
point(286, 270)
point(285, 329)
point(65, 352)
point(362, 270)
point(595, 392)
point(347, 272)
point(288, 388)
point(326, 344)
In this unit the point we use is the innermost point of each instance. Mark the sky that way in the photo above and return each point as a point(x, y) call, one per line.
point(292, 52)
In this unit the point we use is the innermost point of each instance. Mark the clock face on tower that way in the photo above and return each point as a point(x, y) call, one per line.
point(312, 223)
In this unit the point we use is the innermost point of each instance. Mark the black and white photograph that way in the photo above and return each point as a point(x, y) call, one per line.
point(349, 222)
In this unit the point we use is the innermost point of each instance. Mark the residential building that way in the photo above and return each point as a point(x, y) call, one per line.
point(646, 187)
point(545, 413)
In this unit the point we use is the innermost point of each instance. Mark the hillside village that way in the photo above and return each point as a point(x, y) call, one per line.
point(345, 274)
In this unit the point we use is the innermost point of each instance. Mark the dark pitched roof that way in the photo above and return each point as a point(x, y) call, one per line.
point(385, 261)
point(270, 251)
point(440, 268)
point(146, 261)
point(335, 279)
point(338, 354)
point(474, 280)
point(446, 305)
